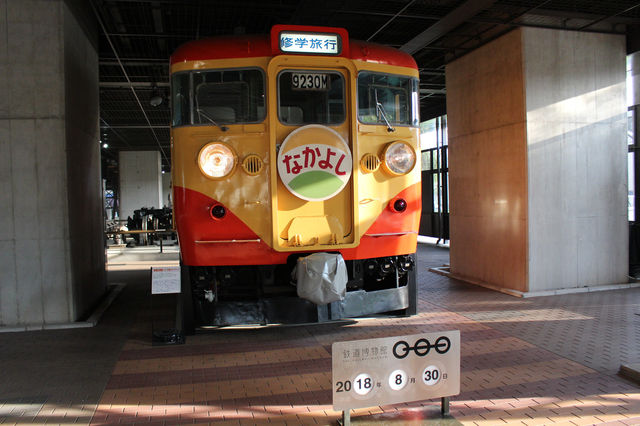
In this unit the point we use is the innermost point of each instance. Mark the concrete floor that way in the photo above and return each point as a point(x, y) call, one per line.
point(546, 360)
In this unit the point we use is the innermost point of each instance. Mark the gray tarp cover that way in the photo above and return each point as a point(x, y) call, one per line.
point(322, 278)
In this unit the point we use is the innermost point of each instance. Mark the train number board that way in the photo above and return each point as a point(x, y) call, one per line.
point(393, 370)
point(309, 81)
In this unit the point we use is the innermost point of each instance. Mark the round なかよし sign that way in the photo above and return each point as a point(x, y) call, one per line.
point(314, 163)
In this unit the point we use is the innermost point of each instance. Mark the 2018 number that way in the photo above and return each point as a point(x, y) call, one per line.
point(343, 386)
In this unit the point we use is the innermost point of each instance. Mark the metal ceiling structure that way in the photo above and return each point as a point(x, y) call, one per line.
point(138, 36)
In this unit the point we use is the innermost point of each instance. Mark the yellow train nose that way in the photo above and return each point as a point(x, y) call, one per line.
point(314, 190)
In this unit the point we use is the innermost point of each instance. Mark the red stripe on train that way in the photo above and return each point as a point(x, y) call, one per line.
point(194, 223)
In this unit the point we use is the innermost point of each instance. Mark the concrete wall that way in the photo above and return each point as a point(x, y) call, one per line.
point(487, 164)
point(82, 134)
point(577, 158)
point(538, 174)
point(140, 181)
point(38, 259)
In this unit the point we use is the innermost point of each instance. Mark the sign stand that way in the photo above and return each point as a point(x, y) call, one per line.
point(165, 282)
point(346, 417)
point(444, 408)
point(444, 411)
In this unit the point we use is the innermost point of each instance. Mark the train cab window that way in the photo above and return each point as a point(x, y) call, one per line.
point(219, 97)
point(311, 97)
point(387, 99)
point(228, 96)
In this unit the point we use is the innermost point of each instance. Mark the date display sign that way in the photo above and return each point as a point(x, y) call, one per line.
point(393, 370)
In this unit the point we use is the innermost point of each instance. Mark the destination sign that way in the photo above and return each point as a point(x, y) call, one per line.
point(325, 44)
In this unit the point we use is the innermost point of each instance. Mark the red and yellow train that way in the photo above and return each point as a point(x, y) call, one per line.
point(285, 145)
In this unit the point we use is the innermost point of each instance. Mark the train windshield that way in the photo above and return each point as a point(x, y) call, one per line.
point(311, 97)
point(218, 97)
point(387, 99)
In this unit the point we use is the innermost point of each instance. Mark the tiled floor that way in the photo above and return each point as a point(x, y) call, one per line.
point(549, 360)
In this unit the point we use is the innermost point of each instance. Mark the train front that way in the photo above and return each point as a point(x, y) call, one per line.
point(295, 177)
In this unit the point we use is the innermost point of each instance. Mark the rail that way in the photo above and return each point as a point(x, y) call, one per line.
point(110, 234)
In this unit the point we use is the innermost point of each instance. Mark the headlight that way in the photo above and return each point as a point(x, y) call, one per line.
point(217, 160)
point(399, 158)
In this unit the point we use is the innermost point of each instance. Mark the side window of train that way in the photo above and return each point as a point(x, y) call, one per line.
point(311, 97)
point(180, 99)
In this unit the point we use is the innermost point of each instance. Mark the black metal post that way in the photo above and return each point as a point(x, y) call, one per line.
point(444, 409)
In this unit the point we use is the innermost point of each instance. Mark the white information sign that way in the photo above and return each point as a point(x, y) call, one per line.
point(398, 369)
point(165, 279)
point(292, 42)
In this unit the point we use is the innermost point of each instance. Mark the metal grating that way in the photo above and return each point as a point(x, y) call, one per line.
point(252, 164)
point(370, 163)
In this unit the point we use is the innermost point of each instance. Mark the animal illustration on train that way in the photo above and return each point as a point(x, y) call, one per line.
point(296, 188)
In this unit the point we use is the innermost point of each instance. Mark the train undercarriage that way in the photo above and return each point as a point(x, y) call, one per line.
point(215, 296)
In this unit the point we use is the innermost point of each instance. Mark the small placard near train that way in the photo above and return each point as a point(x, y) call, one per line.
point(165, 279)
point(393, 370)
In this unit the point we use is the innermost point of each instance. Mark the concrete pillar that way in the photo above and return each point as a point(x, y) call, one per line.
point(538, 163)
point(51, 239)
point(140, 181)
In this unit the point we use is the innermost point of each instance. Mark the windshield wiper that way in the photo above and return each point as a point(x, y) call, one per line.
point(381, 111)
point(202, 113)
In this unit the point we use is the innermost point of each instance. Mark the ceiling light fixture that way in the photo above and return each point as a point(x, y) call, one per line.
point(156, 97)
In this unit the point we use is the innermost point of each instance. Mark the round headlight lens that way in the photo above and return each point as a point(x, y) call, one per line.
point(399, 158)
point(217, 160)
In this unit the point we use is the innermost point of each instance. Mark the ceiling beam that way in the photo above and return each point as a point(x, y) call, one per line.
point(388, 14)
point(141, 35)
point(129, 84)
point(115, 132)
point(391, 19)
point(133, 90)
point(461, 14)
point(575, 14)
point(134, 127)
point(604, 18)
point(124, 60)
point(163, 64)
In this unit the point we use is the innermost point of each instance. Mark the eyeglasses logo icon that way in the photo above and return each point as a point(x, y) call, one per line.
point(422, 347)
